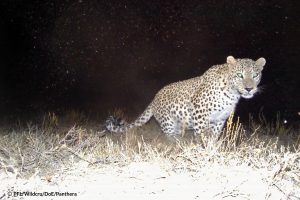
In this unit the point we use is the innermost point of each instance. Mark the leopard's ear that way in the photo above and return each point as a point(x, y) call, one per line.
point(260, 63)
point(231, 60)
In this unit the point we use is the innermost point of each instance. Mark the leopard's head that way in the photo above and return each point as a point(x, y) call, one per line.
point(245, 75)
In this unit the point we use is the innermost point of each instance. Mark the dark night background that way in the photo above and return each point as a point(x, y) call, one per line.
point(94, 56)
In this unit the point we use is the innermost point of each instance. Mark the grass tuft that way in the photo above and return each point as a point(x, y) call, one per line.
point(52, 148)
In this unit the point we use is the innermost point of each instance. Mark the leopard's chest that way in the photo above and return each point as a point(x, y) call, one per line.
point(225, 106)
point(221, 114)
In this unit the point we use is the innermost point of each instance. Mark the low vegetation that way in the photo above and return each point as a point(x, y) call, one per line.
point(260, 161)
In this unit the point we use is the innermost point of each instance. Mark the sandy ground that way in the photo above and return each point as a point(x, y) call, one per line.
point(144, 168)
point(152, 180)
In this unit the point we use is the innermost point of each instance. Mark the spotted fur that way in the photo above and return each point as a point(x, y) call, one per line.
point(202, 103)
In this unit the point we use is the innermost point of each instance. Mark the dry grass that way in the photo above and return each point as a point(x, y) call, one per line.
point(51, 149)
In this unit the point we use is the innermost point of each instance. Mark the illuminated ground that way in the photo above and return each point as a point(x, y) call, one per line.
point(143, 164)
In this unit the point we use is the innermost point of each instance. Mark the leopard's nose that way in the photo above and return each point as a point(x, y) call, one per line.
point(249, 89)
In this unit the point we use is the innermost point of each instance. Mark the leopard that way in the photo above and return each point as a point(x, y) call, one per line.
point(201, 104)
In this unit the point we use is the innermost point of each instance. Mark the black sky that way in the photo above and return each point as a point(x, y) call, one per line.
point(99, 55)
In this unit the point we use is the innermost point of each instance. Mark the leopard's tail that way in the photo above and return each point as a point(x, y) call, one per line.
point(118, 125)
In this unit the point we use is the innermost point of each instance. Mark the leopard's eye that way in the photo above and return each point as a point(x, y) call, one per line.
point(240, 75)
point(255, 75)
